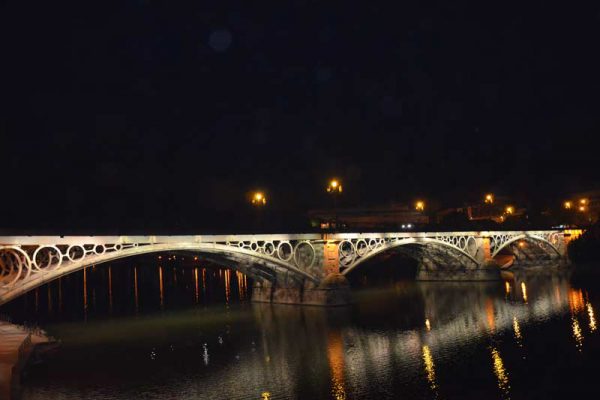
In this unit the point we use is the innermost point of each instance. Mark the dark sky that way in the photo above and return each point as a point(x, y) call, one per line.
point(162, 114)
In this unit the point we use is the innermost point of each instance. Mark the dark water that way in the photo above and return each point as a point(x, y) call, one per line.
point(184, 332)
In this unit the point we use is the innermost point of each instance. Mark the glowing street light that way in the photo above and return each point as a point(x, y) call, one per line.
point(334, 186)
point(509, 210)
point(259, 199)
point(335, 189)
point(582, 208)
point(583, 202)
point(489, 198)
point(567, 205)
point(420, 205)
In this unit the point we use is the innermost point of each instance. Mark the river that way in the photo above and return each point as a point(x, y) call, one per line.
point(134, 330)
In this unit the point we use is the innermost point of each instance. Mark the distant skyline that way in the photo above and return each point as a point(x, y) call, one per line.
point(166, 115)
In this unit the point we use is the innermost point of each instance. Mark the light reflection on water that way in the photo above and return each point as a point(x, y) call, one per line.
point(418, 339)
point(429, 367)
point(501, 373)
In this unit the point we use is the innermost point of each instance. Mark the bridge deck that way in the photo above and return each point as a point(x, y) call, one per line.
point(127, 239)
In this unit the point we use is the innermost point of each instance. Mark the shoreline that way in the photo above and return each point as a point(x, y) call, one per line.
point(17, 345)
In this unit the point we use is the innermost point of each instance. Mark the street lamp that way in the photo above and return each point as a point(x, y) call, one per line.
point(567, 205)
point(259, 199)
point(509, 210)
point(420, 205)
point(334, 188)
point(489, 198)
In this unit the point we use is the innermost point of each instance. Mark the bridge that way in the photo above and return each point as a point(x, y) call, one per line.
point(294, 268)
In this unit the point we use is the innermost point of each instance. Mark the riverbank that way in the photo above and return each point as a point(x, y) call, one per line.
point(16, 346)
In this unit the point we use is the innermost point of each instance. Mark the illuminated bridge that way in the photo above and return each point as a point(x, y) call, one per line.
point(295, 268)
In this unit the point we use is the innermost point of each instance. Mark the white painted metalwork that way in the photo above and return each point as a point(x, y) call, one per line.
point(30, 261)
point(500, 240)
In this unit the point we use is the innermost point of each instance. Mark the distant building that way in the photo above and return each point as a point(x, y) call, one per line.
point(394, 216)
point(483, 212)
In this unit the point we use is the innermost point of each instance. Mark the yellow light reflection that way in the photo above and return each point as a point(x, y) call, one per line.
point(490, 314)
point(85, 303)
point(507, 287)
point(197, 293)
point(266, 395)
point(427, 324)
point(517, 328)
point(576, 302)
point(135, 288)
point(590, 311)
point(335, 354)
point(161, 287)
point(577, 333)
point(524, 291)
point(227, 285)
point(241, 286)
point(500, 371)
point(429, 367)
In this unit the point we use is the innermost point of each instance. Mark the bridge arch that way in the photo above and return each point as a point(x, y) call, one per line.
point(22, 270)
point(432, 247)
point(549, 242)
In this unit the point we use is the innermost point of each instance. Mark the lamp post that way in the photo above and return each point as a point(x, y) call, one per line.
point(420, 205)
point(259, 201)
point(334, 189)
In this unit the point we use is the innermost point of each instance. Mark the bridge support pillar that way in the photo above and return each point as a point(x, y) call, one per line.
point(333, 289)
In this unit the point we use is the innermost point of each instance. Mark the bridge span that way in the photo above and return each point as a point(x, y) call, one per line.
point(294, 268)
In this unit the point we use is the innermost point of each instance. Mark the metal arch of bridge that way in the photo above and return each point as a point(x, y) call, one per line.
point(500, 240)
point(29, 261)
point(25, 266)
point(362, 250)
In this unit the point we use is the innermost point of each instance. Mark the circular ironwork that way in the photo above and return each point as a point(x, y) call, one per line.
point(14, 260)
point(99, 249)
point(72, 252)
point(44, 257)
point(347, 252)
point(362, 247)
point(297, 255)
point(269, 248)
point(281, 253)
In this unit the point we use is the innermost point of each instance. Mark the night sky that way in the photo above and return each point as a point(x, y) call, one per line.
point(162, 115)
